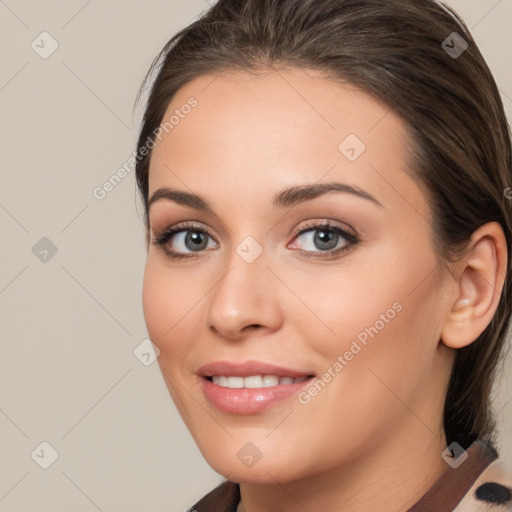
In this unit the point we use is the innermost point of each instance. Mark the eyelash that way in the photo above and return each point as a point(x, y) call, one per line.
point(164, 237)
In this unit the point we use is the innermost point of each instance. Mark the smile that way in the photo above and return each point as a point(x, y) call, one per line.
point(253, 381)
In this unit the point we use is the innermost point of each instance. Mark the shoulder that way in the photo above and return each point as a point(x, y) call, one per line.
point(492, 490)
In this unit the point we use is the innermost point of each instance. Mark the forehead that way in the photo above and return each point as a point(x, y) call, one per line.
point(273, 107)
point(251, 133)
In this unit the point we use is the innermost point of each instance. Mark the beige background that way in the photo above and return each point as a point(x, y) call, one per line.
point(69, 325)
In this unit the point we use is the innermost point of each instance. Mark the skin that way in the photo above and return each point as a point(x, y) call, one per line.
point(372, 438)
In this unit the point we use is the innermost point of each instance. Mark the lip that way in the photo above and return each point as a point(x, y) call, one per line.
point(246, 401)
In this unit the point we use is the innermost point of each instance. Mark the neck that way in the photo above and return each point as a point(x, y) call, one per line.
point(389, 477)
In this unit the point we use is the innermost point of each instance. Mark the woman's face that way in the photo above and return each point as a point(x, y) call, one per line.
point(340, 282)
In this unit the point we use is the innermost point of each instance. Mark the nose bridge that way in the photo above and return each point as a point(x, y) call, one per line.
point(244, 295)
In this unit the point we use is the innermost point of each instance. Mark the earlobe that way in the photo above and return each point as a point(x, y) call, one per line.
point(478, 288)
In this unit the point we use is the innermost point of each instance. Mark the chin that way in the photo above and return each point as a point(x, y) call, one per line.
point(264, 472)
point(261, 475)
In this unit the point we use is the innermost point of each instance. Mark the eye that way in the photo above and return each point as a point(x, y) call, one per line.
point(184, 240)
point(316, 240)
point(324, 239)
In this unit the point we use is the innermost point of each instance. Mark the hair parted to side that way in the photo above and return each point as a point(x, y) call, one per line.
point(391, 49)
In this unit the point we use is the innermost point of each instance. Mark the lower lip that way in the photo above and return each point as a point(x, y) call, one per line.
point(249, 400)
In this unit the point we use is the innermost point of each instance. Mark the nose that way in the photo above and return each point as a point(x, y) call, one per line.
point(245, 299)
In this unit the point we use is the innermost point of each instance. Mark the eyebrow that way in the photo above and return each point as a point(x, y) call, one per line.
point(284, 199)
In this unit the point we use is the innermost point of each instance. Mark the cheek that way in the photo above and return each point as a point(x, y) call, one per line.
point(155, 299)
point(168, 304)
point(338, 306)
point(167, 300)
point(380, 316)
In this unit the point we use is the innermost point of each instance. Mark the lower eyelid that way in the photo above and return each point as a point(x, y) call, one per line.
point(327, 255)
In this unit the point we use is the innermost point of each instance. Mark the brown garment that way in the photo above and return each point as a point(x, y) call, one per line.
point(480, 483)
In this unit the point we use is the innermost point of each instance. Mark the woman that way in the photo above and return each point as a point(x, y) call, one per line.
point(328, 276)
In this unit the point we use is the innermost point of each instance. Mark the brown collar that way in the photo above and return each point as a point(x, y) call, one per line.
point(454, 484)
point(224, 498)
point(443, 496)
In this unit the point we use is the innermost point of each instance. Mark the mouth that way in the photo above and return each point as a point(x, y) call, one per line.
point(254, 381)
point(250, 387)
point(252, 371)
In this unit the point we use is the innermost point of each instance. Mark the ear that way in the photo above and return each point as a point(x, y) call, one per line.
point(481, 276)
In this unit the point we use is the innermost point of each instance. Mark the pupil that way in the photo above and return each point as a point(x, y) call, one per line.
point(197, 238)
point(323, 238)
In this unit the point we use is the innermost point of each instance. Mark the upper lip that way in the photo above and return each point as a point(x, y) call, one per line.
point(228, 368)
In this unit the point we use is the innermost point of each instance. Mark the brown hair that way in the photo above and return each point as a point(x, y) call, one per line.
point(394, 50)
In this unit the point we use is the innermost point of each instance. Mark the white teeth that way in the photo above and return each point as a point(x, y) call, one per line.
point(235, 382)
point(270, 380)
point(253, 381)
